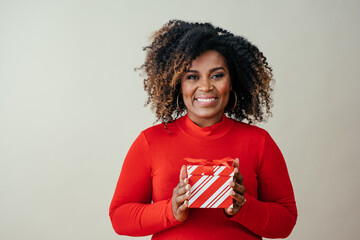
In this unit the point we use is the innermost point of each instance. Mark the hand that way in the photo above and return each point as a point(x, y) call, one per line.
point(238, 190)
point(180, 195)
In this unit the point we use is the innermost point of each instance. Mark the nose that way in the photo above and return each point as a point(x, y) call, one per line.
point(204, 84)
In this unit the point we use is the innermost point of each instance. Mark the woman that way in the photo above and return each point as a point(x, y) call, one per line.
point(202, 82)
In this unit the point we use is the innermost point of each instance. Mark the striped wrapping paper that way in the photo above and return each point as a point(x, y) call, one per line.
point(210, 190)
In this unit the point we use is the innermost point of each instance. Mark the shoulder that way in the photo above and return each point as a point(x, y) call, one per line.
point(160, 131)
point(154, 129)
point(248, 129)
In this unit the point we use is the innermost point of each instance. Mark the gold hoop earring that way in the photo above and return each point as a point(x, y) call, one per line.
point(177, 103)
point(235, 100)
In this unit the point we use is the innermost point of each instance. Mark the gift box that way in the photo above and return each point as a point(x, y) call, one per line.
point(210, 183)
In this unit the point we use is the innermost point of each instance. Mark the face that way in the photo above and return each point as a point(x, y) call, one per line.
point(205, 88)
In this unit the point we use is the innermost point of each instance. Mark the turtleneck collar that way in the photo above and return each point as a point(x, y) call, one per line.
point(212, 132)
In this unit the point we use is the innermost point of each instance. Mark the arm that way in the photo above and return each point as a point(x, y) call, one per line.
point(274, 213)
point(131, 210)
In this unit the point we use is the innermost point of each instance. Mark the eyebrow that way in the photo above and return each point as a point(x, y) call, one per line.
point(211, 70)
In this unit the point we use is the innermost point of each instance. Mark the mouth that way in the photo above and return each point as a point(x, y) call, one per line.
point(206, 99)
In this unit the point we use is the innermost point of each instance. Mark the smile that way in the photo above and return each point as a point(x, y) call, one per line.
point(205, 99)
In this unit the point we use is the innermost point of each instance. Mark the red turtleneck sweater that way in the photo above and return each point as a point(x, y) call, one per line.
point(142, 200)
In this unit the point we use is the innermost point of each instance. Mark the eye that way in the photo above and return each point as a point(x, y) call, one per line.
point(218, 75)
point(192, 77)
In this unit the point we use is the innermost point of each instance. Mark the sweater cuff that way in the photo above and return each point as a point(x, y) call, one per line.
point(250, 212)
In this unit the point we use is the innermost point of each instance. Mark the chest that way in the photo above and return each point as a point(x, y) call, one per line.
point(168, 157)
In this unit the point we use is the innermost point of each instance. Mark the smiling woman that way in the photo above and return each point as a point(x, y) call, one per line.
point(178, 43)
point(204, 83)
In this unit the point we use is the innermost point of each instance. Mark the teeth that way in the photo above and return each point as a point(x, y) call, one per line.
point(205, 99)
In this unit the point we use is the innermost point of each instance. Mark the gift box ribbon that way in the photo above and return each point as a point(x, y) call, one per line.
point(209, 164)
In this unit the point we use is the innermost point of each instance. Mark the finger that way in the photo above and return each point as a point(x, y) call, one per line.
point(232, 210)
point(237, 176)
point(181, 198)
point(237, 187)
point(183, 173)
point(229, 210)
point(183, 190)
point(183, 183)
point(237, 197)
point(183, 207)
point(236, 163)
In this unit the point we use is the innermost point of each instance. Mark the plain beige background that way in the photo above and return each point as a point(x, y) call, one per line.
point(71, 105)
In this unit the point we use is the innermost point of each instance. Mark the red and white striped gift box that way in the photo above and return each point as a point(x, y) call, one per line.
point(210, 186)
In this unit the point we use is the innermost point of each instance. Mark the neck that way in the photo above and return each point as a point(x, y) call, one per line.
point(205, 122)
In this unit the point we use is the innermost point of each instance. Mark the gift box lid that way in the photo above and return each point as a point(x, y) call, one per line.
point(209, 170)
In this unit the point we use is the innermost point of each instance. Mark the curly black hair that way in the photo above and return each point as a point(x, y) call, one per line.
point(177, 43)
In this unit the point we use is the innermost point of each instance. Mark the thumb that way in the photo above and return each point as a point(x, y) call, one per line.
point(236, 163)
point(183, 173)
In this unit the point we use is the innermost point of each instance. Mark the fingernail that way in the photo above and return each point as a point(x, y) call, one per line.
point(236, 170)
point(185, 180)
point(231, 184)
point(232, 192)
point(187, 187)
point(188, 193)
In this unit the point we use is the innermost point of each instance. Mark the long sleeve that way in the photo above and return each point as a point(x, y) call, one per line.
point(273, 214)
point(131, 210)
